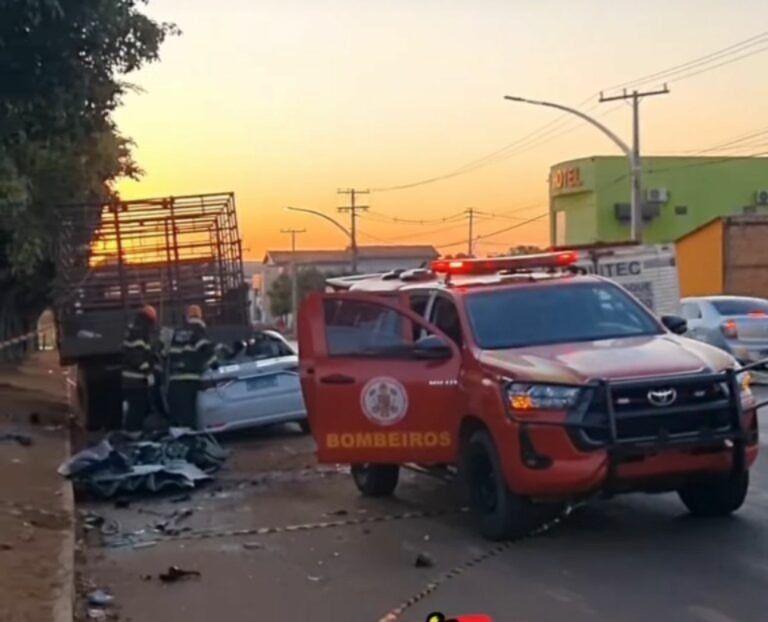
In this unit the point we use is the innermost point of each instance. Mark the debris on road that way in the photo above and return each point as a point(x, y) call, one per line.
point(175, 573)
point(125, 462)
point(21, 439)
point(100, 598)
point(250, 546)
point(145, 545)
point(423, 560)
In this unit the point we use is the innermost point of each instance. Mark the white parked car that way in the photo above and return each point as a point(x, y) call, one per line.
point(258, 385)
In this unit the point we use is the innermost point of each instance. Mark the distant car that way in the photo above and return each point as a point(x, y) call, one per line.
point(736, 324)
point(258, 386)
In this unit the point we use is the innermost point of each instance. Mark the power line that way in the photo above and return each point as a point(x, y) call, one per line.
point(416, 221)
point(425, 233)
point(662, 75)
point(498, 232)
point(672, 74)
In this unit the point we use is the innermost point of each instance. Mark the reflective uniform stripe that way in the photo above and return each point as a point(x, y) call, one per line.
point(138, 343)
point(185, 377)
point(180, 349)
point(126, 373)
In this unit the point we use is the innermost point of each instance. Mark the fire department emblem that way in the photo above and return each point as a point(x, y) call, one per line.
point(384, 400)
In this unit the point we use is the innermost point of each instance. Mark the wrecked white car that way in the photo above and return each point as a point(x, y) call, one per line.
point(257, 384)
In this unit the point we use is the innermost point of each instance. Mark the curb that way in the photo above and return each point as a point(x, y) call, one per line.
point(63, 607)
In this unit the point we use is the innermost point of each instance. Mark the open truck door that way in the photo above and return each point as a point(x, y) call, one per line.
point(379, 382)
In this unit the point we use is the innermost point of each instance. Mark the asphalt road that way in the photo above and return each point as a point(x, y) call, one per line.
point(633, 558)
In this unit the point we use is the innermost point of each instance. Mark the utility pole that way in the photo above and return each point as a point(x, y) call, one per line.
point(353, 208)
point(470, 211)
point(636, 167)
point(294, 277)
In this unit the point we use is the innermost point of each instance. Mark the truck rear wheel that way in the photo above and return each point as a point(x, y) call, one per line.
point(376, 480)
point(715, 496)
point(501, 513)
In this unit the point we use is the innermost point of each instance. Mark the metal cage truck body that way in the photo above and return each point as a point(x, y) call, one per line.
point(114, 258)
point(538, 384)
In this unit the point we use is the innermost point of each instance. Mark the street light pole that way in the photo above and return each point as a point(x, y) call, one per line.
point(294, 275)
point(636, 96)
point(632, 156)
point(324, 216)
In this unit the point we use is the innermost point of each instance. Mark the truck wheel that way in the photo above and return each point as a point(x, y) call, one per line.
point(715, 496)
point(502, 514)
point(376, 480)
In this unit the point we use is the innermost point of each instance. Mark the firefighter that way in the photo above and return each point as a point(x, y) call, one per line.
point(137, 375)
point(189, 355)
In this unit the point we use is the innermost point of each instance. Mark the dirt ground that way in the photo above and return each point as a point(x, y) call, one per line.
point(36, 531)
point(277, 538)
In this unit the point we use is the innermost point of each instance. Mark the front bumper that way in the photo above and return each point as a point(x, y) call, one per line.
point(604, 447)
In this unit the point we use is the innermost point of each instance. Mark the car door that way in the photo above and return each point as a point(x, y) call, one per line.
point(368, 396)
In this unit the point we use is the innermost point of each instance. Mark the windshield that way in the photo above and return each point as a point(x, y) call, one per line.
point(525, 316)
point(741, 306)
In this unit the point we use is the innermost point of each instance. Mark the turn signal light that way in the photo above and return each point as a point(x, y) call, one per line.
point(499, 264)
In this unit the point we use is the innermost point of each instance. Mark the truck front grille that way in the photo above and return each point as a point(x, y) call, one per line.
point(645, 411)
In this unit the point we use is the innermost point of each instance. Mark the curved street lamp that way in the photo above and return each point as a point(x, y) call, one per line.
point(632, 156)
point(346, 231)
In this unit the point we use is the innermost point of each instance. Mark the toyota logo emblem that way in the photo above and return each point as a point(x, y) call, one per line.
point(662, 397)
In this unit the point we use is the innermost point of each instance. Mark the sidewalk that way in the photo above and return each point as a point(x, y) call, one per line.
point(36, 505)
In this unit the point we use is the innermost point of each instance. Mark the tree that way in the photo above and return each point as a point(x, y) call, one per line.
point(281, 294)
point(61, 68)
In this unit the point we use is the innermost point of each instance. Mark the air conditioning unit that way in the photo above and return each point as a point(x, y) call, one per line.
point(657, 195)
point(761, 197)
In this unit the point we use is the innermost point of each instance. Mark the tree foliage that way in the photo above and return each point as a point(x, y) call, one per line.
point(62, 64)
point(280, 291)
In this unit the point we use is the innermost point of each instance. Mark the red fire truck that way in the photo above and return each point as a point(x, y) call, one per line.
point(536, 383)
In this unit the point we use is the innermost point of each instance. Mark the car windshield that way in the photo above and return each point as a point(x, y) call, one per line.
point(525, 316)
point(741, 306)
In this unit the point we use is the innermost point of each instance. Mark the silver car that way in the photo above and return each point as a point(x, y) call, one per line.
point(736, 324)
point(258, 385)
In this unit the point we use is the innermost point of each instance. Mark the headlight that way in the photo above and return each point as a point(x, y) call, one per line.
point(522, 396)
point(746, 383)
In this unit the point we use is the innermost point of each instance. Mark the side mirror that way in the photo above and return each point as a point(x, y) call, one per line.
point(432, 347)
point(675, 323)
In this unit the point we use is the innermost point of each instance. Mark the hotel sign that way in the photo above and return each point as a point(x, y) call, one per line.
point(566, 179)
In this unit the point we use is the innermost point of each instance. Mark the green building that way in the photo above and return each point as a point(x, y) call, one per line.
point(589, 197)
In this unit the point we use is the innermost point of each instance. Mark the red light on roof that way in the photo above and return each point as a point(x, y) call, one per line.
point(499, 264)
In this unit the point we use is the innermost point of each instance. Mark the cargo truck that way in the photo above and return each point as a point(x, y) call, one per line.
point(114, 258)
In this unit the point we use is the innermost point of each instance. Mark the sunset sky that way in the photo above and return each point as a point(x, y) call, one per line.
point(284, 101)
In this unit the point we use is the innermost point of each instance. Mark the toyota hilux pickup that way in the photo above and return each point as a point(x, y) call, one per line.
point(538, 385)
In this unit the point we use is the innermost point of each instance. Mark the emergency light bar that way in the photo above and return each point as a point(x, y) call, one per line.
point(500, 264)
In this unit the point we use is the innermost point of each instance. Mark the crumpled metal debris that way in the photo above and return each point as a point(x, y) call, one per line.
point(132, 462)
point(21, 439)
point(175, 573)
point(100, 598)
